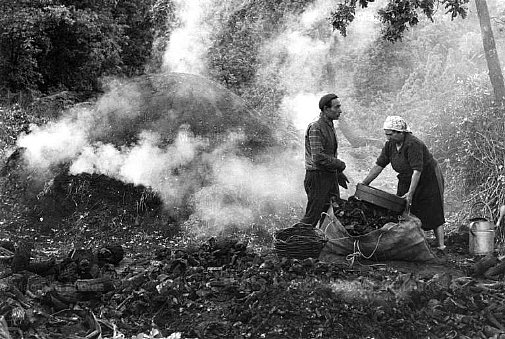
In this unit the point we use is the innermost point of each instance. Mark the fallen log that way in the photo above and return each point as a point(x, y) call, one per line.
point(484, 264)
point(496, 271)
point(105, 284)
point(86, 285)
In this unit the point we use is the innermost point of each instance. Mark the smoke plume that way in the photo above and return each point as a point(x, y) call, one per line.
point(184, 136)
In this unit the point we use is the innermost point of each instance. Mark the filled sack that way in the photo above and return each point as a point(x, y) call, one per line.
point(403, 240)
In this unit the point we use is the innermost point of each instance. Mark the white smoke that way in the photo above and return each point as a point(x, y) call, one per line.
point(187, 44)
point(53, 143)
point(244, 192)
point(301, 108)
point(146, 163)
point(237, 190)
point(190, 41)
point(307, 58)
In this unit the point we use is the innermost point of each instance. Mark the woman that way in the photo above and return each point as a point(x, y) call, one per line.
point(420, 179)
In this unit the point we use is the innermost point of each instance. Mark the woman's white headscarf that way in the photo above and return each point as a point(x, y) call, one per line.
point(396, 123)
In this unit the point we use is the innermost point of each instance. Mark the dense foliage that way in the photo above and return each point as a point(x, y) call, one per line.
point(383, 68)
point(49, 45)
point(469, 140)
point(234, 54)
point(234, 57)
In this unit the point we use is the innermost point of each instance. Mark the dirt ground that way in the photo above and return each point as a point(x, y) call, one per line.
point(169, 285)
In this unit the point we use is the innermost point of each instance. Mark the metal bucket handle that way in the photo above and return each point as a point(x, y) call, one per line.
point(485, 205)
point(471, 229)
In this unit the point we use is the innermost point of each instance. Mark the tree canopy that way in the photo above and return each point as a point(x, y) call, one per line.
point(397, 15)
point(48, 45)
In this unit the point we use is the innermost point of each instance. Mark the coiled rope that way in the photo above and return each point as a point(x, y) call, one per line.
point(357, 253)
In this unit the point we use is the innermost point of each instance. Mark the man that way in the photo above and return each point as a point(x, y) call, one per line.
point(323, 169)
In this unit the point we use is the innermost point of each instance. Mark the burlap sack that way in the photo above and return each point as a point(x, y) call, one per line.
point(404, 241)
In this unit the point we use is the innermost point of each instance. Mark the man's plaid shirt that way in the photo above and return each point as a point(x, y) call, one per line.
point(321, 147)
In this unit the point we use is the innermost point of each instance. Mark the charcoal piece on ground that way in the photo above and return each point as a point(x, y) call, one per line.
point(80, 264)
point(43, 268)
point(8, 245)
point(112, 254)
point(22, 257)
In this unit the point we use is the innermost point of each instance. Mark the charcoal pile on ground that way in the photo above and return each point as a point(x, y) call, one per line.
point(81, 207)
point(220, 288)
point(84, 194)
point(80, 263)
point(361, 217)
point(92, 193)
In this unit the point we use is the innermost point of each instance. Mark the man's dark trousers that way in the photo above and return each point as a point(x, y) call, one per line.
point(320, 187)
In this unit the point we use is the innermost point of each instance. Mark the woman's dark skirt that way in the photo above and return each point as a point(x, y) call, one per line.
point(428, 200)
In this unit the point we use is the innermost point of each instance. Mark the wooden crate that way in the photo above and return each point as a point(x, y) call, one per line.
point(380, 198)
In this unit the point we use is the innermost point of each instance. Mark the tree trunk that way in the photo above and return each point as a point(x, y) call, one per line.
point(493, 62)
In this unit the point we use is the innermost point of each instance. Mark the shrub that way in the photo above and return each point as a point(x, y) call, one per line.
point(69, 45)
